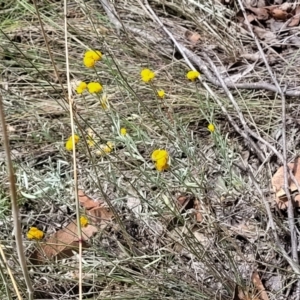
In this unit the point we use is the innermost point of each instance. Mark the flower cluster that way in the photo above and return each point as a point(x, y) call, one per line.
point(161, 158)
point(91, 57)
point(81, 87)
point(69, 143)
point(35, 234)
point(92, 87)
point(106, 148)
point(147, 75)
point(91, 141)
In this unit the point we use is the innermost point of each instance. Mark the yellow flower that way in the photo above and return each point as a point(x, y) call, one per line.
point(90, 58)
point(211, 127)
point(157, 154)
point(110, 145)
point(90, 141)
point(89, 62)
point(161, 94)
point(123, 131)
point(35, 234)
point(81, 87)
point(192, 75)
point(84, 221)
point(147, 75)
point(105, 149)
point(94, 54)
point(69, 143)
point(160, 157)
point(94, 87)
point(161, 164)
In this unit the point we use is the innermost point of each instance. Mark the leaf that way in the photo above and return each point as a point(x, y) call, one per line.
point(279, 14)
point(251, 18)
point(240, 294)
point(97, 210)
point(62, 243)
point(278, 183)
point(197, 208)
point(296, 18)
point(28, 196)
point(193, 37)
point(259, 286)
point(100, 215)
point(260, 13)
point(86, 201)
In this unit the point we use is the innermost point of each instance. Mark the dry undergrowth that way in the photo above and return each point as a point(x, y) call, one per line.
point(196, 231)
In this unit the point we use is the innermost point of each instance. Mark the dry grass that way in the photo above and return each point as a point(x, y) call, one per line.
point(171, 256)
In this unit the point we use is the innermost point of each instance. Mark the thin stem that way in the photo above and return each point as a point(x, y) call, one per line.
point(14, 204)
point(70, 100)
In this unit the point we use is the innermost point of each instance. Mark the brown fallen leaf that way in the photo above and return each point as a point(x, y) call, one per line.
point(279, 14)
point(260, 13)
point(197, 207)
point(240, 294)
point(185, 202)
point(62, 243)
point(100, 215)
point(251, 18)
point(278, 182)
point(296, 18)
point(193, 37)
point(86, 201)
point(97, 210)
point(259, 286)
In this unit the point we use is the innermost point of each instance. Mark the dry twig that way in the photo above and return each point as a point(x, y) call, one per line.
point(14, 204)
